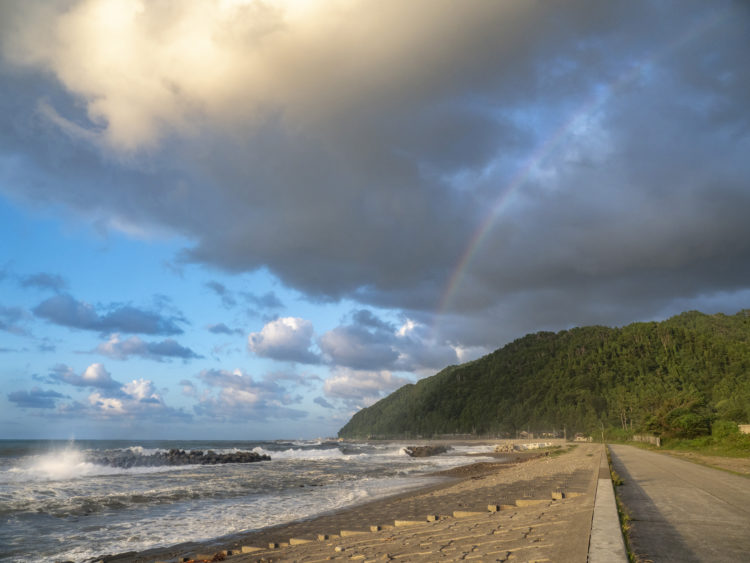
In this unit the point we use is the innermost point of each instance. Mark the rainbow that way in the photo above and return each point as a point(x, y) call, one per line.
point(551, 143)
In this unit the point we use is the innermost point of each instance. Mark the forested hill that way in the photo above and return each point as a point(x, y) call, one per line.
point(673, 378)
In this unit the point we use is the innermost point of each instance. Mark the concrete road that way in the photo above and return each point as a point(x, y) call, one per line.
point(681, 511)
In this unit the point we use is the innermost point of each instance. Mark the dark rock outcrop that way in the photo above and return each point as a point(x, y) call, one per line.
point(178, 457)
point(425, 451)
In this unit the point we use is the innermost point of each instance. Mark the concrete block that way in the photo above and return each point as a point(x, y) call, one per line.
point(322, 537)
point(433, 517)
point(250, 549)
point(466, 514)
point(349, 533)
point(558, 495)
point(298, 541)
point(530, 502)
point(375, 528)
point(207, 556)
point(493, 507)
point(399, 523)
point(273, 545)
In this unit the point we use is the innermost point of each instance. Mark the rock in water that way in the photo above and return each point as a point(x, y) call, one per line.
point(425, 451)
point(180, 457)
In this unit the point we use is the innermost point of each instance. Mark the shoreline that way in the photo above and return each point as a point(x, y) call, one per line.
point(463, 488)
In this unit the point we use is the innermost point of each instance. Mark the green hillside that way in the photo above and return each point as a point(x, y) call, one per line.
point(674, 378)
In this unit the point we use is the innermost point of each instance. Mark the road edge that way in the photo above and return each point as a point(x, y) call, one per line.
point(606, 544)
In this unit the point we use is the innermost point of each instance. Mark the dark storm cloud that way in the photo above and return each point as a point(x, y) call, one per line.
point(221, 328)
point(10, 319)
point(268, 300)
point(596, 152)
point(121, 349)
point(366, 342)
point(36, 398)
point(42, 280)
point(65, 310)
point(322, 402)
point(226, 296)
point(358, 348)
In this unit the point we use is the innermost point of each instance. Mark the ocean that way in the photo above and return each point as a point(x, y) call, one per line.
point(65, 501)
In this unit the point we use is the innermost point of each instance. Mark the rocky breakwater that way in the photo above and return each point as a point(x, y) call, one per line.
point(425, 451)
point(178, 457)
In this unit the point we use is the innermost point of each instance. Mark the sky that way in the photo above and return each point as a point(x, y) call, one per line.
point(249, 219)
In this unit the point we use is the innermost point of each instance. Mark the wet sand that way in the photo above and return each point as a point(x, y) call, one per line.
point(534, 504)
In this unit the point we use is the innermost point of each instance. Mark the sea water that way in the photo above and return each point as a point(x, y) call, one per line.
point(60, 502)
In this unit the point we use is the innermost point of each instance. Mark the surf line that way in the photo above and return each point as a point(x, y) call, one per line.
point(587, 110)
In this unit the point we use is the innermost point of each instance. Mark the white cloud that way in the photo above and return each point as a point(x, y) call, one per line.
point(285, 339)
point(188, 388)
point(361, 388)
point(368, 343)
point(140, 389)
point(107, 405)
point(94, 375)
point(469, 353)
point(137, 398)
point(237, 395)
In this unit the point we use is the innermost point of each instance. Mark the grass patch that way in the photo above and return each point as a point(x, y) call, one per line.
point(725, 440)
point(622, 512)
point(732, 445)
point(554, 451)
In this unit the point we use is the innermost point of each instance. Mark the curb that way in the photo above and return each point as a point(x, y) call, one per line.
point(606, 544)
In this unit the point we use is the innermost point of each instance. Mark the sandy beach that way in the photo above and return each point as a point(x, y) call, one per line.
point(531, 508)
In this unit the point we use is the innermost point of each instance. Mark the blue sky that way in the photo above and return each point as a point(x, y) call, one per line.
point(249, 219)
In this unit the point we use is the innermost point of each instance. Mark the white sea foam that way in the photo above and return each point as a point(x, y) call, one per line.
point(474, 449)
point(317, 442)
point(66, 465)
point(210, 519)
point(311, 454)
point(99, 509)
point(140, 450)
point(60, 465)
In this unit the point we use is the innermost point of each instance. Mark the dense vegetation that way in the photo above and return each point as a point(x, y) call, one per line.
point(675, 379)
